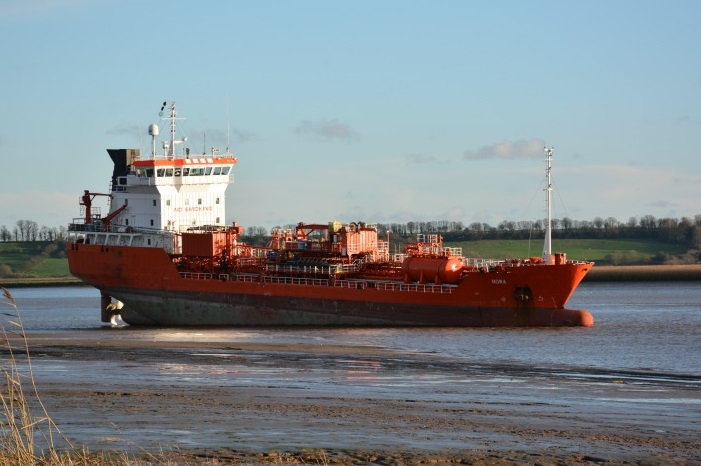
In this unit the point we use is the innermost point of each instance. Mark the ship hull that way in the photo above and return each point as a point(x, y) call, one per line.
point(147, 282)
point(235, 309)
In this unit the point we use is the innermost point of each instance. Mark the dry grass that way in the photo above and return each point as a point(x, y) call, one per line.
point(28, 435)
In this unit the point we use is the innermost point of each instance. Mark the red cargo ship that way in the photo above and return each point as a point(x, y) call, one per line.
point(164, 256)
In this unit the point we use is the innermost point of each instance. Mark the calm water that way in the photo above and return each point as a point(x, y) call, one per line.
point(638, 369)
point(650, 327)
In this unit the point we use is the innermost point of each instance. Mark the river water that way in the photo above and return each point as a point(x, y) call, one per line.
point(652, 327)
point(627, 388)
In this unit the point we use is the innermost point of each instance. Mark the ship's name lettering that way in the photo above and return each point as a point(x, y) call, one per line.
point(498, 281)
point(198, 208)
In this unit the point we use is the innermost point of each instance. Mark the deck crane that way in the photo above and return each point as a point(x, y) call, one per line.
point(86, 200)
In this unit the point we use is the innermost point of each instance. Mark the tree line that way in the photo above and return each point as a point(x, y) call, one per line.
point(29, 230)
point(683, 232)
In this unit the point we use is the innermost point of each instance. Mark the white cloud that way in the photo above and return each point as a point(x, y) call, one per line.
point(136, 131)
point(421, 158)
point(507, 150)
point(242, 135)
point(329, 130)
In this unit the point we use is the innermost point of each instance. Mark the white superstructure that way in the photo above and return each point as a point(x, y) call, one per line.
point(153, 198)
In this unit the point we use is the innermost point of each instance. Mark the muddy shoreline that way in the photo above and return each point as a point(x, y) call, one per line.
point(268, 403)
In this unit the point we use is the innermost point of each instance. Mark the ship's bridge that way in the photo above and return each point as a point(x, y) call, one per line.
point(188, 171)
point(169, 193)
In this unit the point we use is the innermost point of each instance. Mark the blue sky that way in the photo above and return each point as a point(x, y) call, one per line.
point(377, 111)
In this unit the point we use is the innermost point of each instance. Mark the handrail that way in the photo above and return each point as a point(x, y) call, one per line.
point(324, 282)
point(330, 269)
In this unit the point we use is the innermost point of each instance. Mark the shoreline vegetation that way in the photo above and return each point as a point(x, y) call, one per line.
point(599, 273)
point(40, 281)
point(644, 273)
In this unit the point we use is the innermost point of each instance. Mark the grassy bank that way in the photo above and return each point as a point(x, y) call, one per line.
point(644, 273)
point(39, 281)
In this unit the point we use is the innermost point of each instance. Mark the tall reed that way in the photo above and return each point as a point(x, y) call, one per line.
point(20, 428)
point(28, 435)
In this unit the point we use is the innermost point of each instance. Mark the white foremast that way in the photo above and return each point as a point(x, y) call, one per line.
point(547, 244)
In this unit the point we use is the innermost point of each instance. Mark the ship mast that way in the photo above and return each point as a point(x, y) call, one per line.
point(171, 146)
point(171, 153)
point(547, 244)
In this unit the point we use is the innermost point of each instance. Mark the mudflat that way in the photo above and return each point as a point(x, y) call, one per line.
point(197, 401)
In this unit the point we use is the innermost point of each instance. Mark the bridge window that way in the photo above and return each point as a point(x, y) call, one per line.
point(224, 170)
point(208, 171)
point(186, 171)
point(177, 172)
point(149, 172)
point(161, 172)
point(169, 172)
point(217, 170)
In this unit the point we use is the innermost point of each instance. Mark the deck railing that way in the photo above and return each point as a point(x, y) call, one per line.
point(325, 282)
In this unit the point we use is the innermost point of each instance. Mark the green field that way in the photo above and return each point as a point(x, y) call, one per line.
point(16, 255)
point(31, 259)
point(51, 267)
point(576, 249)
